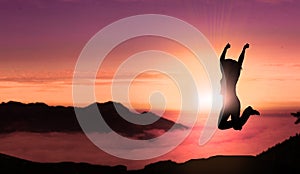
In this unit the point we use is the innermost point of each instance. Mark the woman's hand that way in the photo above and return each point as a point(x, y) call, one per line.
point(227, 46)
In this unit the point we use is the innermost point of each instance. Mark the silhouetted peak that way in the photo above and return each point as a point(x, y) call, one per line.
point(105, 104)
point(146, 113)
point(11, 103)
point(38, 104)
point(111, 103)
point(109, 107)
point(15, 103)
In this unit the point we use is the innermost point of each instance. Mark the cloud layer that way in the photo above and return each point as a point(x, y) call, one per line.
point(257, 135)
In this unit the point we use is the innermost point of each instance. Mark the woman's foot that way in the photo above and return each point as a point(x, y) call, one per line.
point(251, 111)
point(237, 127)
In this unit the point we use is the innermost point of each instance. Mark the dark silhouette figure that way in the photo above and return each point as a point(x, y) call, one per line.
point(297, 115)
point(231, 70)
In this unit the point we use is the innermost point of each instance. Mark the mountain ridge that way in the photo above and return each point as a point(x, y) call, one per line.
point(39, 117)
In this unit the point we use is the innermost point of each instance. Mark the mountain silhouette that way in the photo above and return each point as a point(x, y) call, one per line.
point(216, 164)
point(285, 154)
point(282, 158)
point(39, 117)
point(9, 164)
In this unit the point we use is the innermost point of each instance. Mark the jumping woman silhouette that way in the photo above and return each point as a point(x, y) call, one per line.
point(231, 70)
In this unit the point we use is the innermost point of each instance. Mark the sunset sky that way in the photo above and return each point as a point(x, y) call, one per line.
point(41, 41)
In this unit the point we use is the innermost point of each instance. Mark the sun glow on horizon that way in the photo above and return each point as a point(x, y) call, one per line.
point(37, 65)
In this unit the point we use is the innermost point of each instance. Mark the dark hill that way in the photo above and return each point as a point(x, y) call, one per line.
point(39, 117)
point(216, 164)
point(286, 153)
point(9, 164)
point(109, 112)
point(282, 158)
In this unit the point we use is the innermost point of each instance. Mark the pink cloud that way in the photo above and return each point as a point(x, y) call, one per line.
point(258, 135)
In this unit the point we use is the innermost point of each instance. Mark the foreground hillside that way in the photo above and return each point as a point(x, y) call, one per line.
point(282, 158)
point(9, 164)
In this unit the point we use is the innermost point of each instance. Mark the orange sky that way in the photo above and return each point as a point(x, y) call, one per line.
point(42, 41)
